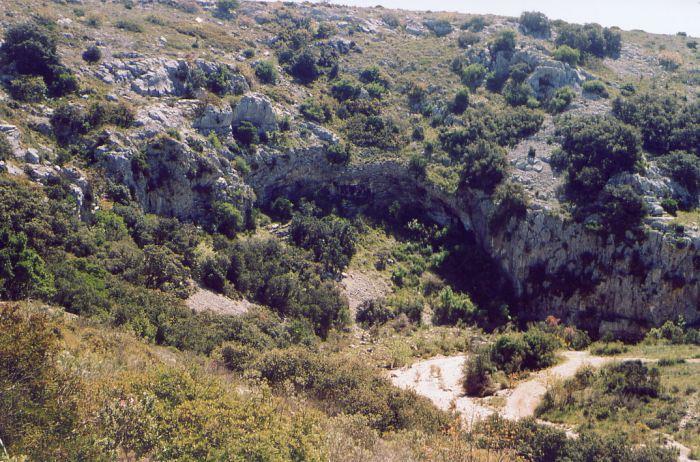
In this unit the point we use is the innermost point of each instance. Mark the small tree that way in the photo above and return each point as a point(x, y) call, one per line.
point(266, 72)
point(92, 55)
point(461, 101)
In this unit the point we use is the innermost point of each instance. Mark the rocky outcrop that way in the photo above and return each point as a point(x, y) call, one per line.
point(171, 179)
point(214, 119)
point(550, 75)
point(256, 109)
point(164, 77)
point(556, 266)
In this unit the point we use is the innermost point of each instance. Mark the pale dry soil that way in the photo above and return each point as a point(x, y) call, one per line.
point(206, 300)
point(440, 380)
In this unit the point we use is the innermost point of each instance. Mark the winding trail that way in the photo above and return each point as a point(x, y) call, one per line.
point(440, 380)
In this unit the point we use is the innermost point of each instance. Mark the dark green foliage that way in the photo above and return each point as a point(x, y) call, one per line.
point(511, 202)
point(39, 398)
point(374, 74)
point(461, 101)
point(475, 24)
point(591, 39)
point(339, 153)
point(374, 131)
point(92, 54)
point(535, 349)
point(374, 312)
point(535, 23)
point(228, 220)
point(331, 239)
point(305, 66)
point(473, 75)
point(345, 89)
point(325, 30)
point(225, 7)
point(266, 72)
point(596, 87)
point(568, 55)
point(246, 133)
point(484, 167)
point(667, 123)
point(71, 121)
point(561, 100)
point(31, 49)
point(594, 149)
point(478, 370)
point(282, 209)
point(621, 209)
point(518, 94)
point(418, 165)
point(503, 43)
point(450, 308)
point(467, 39)
point(684, 168)
point(5, 147)
point(352, 387)
point(22, 271)
point(128, 25)
point(315, 111)
point(283, 278)
point(28, 89)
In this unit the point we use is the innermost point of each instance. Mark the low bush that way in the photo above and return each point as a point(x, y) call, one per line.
point(567, 55)
point(316, 111)
point(473, 75)
point(535, 23)
point(561, 100)
point(92, 54)
point(595, 87)
point(266, 72)
point(28, 89)
point(467, 39)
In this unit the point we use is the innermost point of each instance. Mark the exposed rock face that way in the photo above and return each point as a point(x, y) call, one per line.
point(556, 266)
point(256, 109)
point(214, 119)
point(163, 77)
point(12, 134)
point(173, 180)
point(550, 75)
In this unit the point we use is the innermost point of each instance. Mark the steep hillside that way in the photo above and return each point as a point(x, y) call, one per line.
point(280, 199)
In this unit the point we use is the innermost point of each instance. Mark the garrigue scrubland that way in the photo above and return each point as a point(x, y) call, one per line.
point(227, 229)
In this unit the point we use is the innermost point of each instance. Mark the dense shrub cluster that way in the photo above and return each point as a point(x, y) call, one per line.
point(31, 51)
point(667, 123)
point(331, 239)
point(535, 23)
point(300, 56)
point(71, 121)
point(316, 111)
point(590, 39)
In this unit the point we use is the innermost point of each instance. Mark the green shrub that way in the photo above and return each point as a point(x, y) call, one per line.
point(92, 54)
point(667, 123)
point(304, 67)
point(374, 312)
point(332, 240)
point(478, 371)
point(345, 89)
point(596, 87)
point(417, 166)
point(518, 94)
point(475, 24)
point(535, 349)
point(484, 168)
point(594, 149)
point(467, 39)
point(28, 89)
point(567, 55)
point(339, 153)
point(473, 75)
point(23, 272)
point(450, 307)
point(503, 43)
point(325, 30)
point(508, 353)
point(282, 209)
point(439, 27)
point(561, 100)
point(591, 39)
point(684, 168)
point(461, 101)
point(511, 203)
point(266, 72)
point(235, 356)
point(6, 150)
point(535, 23)
point(246, 133)
point(228, 220)
point(621, 209)
point(128, 25)
point(225, 7)
point(315, 111)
